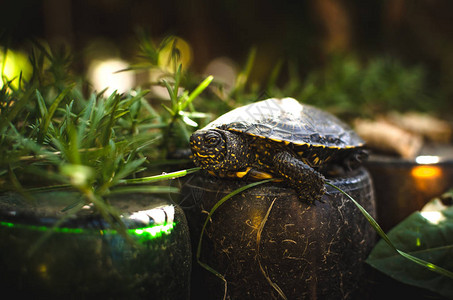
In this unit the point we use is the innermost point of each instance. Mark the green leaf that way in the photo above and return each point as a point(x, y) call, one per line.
point(189, 121)
point(195, 114)
point(244, 75)
point(47, 117)
point(145, 189)
point(171, 92)
point(170, 111)
point(41, 104)
point(200, 88)
point(271, 83)
point(107, 132)
point(128, 169)
point(177, 77)
point(8, 115)
point(147, 47)
point(164, 176)
point(427, 265)
point(149, 108)
point(424, 240)
point(86, 114)
point(71, 148)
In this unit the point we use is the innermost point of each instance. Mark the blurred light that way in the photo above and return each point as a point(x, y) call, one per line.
point(160, 92)
point(43, 270)
point(421, 172)
point(427, 159)
point(12, 65)
point(434, 217)
point(79, 175)
point(104, 74)
point(159, 215)
point(224, 71)
point(176, 52)
point(153, 231)
point(144, 233)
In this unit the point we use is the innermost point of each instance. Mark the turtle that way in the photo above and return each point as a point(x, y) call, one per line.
point(278, 138)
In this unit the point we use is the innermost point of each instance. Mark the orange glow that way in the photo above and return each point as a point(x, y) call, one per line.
point(426, 172)
point(255, 218)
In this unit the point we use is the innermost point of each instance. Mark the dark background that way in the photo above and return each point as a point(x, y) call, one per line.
point(416, 31)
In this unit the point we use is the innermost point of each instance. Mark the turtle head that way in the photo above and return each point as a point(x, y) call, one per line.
point(219, 150)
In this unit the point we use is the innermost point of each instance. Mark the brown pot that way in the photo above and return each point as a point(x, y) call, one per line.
point(309, 251)
point(84, 258)
point(404, 186)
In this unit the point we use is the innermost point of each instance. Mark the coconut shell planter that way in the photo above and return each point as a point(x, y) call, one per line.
point(83, 257)
point(265, 241)
point(292, 238)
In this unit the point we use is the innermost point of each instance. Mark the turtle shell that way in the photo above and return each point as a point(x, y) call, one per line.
point(286, 120)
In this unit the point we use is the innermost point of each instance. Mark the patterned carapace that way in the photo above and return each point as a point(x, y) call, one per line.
point(278, 138)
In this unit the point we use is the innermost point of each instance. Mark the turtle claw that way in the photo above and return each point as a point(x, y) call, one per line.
point(311, 193)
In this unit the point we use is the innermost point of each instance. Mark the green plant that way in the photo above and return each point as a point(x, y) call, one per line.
point(426, 235)
point(179, 117)
point(350, 87)
point(380, 85)
point(176, 113)
point(91, 144)
point(99, 145)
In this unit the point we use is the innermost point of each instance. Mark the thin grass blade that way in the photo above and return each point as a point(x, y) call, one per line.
point(47, 118)
point(378, 229)
point(145, 189)
point(9, 115)
point(198, 90)
point(174, 99)
point(208, 218)
point(156, 178)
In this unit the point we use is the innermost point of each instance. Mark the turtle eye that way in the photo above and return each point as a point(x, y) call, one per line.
point(212, 139)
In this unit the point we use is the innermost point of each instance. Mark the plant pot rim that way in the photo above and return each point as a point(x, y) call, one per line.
point(226, 186)
point(141, 215)
point(439, 155)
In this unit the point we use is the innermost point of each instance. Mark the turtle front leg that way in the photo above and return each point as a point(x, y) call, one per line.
point(308, 183)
